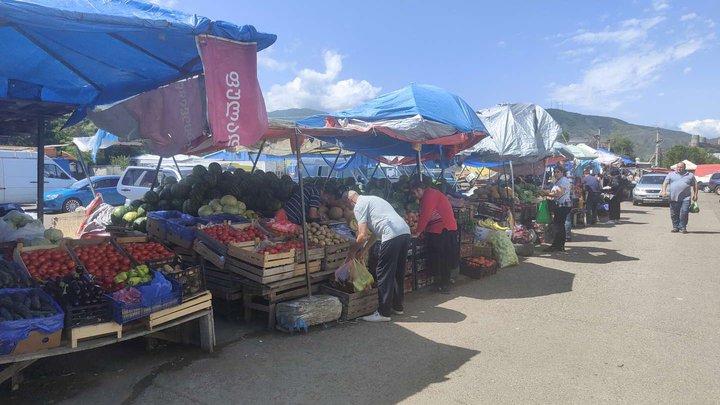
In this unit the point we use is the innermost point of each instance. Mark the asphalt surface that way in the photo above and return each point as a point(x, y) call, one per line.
point(629, 314)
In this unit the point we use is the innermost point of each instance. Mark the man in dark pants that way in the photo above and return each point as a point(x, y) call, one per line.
point(560, 192)
point(594, 190)
point(376, 215)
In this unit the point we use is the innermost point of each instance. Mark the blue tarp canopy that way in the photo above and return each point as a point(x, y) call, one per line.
point(625, 160)
point(390, 124)
point(91, 52)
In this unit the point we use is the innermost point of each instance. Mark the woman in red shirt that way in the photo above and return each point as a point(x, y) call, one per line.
point(437, 220)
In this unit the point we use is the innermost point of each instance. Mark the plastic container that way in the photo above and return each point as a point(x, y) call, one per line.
point(157, 222)
point(124, 313)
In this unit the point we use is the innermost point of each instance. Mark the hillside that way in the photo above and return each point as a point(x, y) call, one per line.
point(293, 114)
point(582, 128)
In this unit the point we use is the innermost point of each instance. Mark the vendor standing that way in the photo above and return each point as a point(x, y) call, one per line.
point(314, 198)
point(373, 214)
point(560, 192)
point(437, 221)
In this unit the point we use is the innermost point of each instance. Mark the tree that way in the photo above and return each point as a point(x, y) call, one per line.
point(622, 145)
point(566, 136)
point(694, 154)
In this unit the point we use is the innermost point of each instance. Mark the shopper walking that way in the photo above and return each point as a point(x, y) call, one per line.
point(593, 192)
point(560, 192)
point(437, 221)
point(375, 215)
point(617, 187)
point(568, 219)
point(681, 185)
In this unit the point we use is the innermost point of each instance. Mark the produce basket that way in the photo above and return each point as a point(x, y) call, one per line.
point(335, 255)
point(20, 250)
point(157, 223)
point(356, 304)
point(124, 244)
point(192, 279)
point(77, 316)
point(472, 269)
point(181, 231)
point(31, 334)
point(124, 313)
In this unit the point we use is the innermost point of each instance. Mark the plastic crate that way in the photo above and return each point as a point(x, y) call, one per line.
point(85, 315)
point(192, 280)
point(124, 313)
point(157, 222)
point(473, 270)
point(223, 217)
point(181, 231)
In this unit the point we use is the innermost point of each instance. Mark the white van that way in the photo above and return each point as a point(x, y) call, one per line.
point(136, 180)
point(18, 176)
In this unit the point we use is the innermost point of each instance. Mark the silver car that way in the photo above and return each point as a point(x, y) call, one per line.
point(649, 190)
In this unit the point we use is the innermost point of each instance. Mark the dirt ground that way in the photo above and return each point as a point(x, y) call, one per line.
point(629, 314)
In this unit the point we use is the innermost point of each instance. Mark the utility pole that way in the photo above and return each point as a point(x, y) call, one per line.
point(657, 146)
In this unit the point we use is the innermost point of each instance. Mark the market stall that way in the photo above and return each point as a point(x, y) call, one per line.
point(63, 296)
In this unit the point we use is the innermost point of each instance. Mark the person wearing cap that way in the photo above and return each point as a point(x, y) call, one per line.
point(560, 192)
point(437, 221)
point(375, 215)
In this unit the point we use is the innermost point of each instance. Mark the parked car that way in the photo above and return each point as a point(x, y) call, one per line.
point(79, 194)
point(137, 180)
point(18, 176)
point(649, 189)
point(714, 183)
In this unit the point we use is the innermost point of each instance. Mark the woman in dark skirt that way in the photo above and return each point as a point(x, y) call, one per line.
point(437, 221)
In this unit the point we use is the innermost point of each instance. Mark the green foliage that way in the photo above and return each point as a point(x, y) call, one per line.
point(622, 145)
point(696, 155)
point(121, 160)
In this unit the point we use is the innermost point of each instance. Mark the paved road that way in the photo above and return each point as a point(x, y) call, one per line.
point(630, 314)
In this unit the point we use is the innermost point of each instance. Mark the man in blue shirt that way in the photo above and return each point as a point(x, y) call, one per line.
point(594, 190)
point(681, 184)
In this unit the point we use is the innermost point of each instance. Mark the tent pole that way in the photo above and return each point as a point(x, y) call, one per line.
point(40, 168)
point(334, 164)
point(157, 170)
point(512, 181)
point(374, 171)
point(419, 170)
point(302, 210)
point(85, 169)
point(262, 145)
point(177, 167)
point(544, 169)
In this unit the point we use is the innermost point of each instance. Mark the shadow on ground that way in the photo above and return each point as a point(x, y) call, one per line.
point(592, 254)
point(579, 237)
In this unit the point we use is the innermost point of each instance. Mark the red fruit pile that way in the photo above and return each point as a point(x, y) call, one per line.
point(227, 234)
point(282, 247)
point(104, 262)
point(48, 263)
point(145, 251)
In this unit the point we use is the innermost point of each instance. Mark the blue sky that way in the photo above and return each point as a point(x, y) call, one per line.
point(652, 62)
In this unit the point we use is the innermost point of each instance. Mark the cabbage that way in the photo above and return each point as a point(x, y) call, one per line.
point(241, 207)
point(40, 242)
point(17, 218)
point(205, 210)
point(216, 205)
point(228, 200)
point(53, 235)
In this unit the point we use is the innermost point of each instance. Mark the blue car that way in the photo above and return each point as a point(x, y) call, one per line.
point(79, 194)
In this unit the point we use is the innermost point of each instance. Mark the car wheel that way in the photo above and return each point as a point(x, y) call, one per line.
point(717, 190)
point(71, 204)
point(635, 202)
point(706, 189)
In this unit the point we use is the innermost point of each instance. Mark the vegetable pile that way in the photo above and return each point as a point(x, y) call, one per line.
point(191, 278)
point(322, 235)
point(48, 263)
point(227, 234)
point(138, 275)
point(104, 262)
point(482, 261)
point(9, 278)
point(521, 235)
point(144, 251)
point(281, 247)
point(25, 305)
point(74, 290)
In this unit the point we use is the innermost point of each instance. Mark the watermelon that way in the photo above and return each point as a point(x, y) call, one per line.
point(135, 204)
point(166, 193)
point(140, 224)
point(210, 179)
point(190, 179)
point(199, 170)
point(151, 197)
point(191, 207)
point(169, 180)
point(176, 204)
point(130, 217)
point(117, 215)
point(164, 205)
point(180, 190)
point(215, 168)
point(335, 213)
point(141, 212)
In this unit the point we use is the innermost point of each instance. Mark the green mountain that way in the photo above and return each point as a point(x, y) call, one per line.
point(583, 128)
point(293, 114)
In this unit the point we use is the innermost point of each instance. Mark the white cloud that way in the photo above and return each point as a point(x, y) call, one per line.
point(709, 128)
point(271, 63)
point(165, 3)
point(609, 83)
point(688, 17)
point(661, 94)
point(710, 23)
point(687, 70)
point(320, 90)
point(578, 52)
point(500, 44)
point(630, 31)
point(659, 5)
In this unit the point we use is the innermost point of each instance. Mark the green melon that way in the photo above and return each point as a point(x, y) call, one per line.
point(215, 168)
point(140, 224)
point(199, 170)
point(117, 215)
point(151, 197)
point(130, 217)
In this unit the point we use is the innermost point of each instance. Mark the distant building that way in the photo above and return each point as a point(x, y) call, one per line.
point(702, 142)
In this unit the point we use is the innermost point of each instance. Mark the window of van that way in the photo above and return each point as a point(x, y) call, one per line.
point(138, 177)
point(106, 183)
point(54, 172)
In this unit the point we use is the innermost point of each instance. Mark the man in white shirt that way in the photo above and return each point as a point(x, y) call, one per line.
point(376, 215)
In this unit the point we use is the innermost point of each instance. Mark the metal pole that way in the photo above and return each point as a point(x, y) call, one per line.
point(85, 169)
point(334, 164)
point(157, 170)
point(376, 167)
point(40, 168)
point(177, 167)
point(302, 210)
point(262, 145)
point(419, 170)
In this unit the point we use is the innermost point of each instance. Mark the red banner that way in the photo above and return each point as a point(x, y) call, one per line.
point(235, 105)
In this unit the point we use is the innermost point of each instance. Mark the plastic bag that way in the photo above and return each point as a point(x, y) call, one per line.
point(503, 249)
point(543, 213)
point(694, 208)
point(361, 277)
point(343, 273)
point(11, 332)
point(155, 290)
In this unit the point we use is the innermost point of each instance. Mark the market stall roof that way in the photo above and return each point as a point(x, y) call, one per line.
point(625, 160)
point(577, 152)
point(518, 132)
point(60, 55)
point(391, 123)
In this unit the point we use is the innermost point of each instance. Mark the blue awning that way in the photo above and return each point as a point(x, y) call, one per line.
point(92, 52)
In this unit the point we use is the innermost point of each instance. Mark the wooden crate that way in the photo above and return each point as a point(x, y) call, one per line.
point(262, 275)
point(315, 266)
point(265, 260)
point(356, 304)
point(313, 253)
point(217, 259)
point(218, 246)
point(90, 242)
point(335, 255)
point(120, 242)
point(199, 303)
point(20, 248)
point(93, 331)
